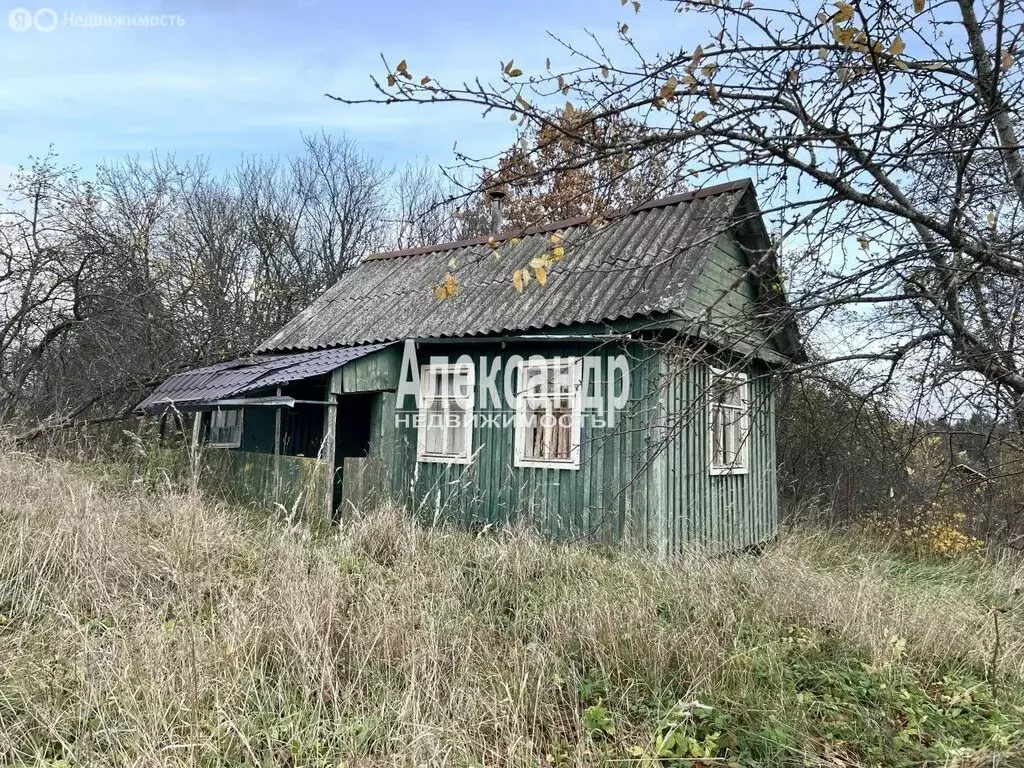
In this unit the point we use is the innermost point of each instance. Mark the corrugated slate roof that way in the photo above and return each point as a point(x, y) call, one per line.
point(637, 263)
point(247, 374)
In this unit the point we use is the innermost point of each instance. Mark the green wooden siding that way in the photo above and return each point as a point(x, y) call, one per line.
point(613, 497)
point(721, 512)
point(372, 373)
point(724, 295)
point(646, 482)
point(247, 478)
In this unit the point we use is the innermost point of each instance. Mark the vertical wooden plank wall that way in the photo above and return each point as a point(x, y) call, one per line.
point(614, 497)
point(720, 512)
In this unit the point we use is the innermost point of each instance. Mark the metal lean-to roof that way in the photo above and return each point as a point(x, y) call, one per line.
point(636, 263)
point(247, 374)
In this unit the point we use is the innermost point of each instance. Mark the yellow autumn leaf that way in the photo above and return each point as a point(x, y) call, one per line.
point(516, 72)
point(424, 80)
point(623, 29)
point(845, 12)
point(542, 275)
point(544, 260)
point(897, 47)
point(520, 278)
point(844, 35)
point(507, 69)
point(403, 66)
point(391, 81)
point(440, 293)
point(453, 262)
point(698, 116)
point(556, 238)
point(1006, 60)
point(918, 6)
point(668, 90)
point(636, 6)
point(558, 253)
point(514, 241)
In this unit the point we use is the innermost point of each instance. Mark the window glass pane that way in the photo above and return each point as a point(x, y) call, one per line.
point(717, 447)
point(459, 384)
point(446, 407)
point(430, 387)
point(562, 443)
point(732, 396)
point(546, 413)
point(728, 449)
point(535, 381)
point(434, 426)
point(457, 420)
point(730, 419)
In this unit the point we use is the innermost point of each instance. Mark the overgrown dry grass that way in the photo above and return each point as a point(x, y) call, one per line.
point(157, 628)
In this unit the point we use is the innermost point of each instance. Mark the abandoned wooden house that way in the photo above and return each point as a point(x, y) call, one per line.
point(603, 380)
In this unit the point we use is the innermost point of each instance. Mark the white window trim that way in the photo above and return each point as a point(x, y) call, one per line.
point(741, 466)
point(573, 462)
point(427, 372)
point(231, 444)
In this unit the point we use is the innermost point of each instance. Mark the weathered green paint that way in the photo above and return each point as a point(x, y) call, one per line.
point(725, 296)
point(607, 499)
point(644, 482)
point(720, 512)
point(372, 373)
point(247, 478)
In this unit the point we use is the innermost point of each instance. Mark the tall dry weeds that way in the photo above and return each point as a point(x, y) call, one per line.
point(162, 629)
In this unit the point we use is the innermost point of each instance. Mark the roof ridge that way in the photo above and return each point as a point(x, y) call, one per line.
point(508, 234)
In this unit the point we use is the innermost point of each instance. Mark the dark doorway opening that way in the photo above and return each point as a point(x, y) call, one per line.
point(353, 436)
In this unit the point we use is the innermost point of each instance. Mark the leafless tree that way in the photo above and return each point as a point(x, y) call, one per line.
point(109, 285)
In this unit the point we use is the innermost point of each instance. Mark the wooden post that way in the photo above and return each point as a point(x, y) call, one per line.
point(197, 426)
point(328, 445)
point(277, 450)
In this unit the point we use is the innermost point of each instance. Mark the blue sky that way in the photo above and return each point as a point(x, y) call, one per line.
point(248, 76)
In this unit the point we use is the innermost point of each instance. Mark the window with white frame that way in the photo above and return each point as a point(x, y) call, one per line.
point(225, 428)
point(549, 401)
point(729, 421)
point(445, 433)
